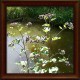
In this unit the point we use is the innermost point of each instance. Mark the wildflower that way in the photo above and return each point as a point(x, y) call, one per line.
point(37, 55)
point(50, 70)
point(46, 29)
point(14, 24)
point(67, 63)
point(23, 63)
point(66, 23)
point(54, 60)
point(46, 16)
point(31, 55)
point(55, 69)
point(41, 16)
point(62, 52)
point(43, 38)
point(50, 15)
point(37, 37)
point(41, 60)
point(44, 50)
point(69, 25)
point(43, 71)
point(43, 65)
point(29, 24)
point(45, 61)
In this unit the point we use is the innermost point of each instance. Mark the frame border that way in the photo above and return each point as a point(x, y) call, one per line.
point(4, 4)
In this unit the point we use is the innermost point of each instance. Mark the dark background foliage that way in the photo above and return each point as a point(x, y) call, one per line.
point(25, 14)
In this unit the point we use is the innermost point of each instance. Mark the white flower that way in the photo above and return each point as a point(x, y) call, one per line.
point(23, 63)
point(54, 60)
point(62, 52)
point(43, 65)
point(36, 69)
point(29, 24)
point(42, 71)
point(31, 55)
point(55, 69)
point(40, 59)
point(14, 24)
point(46, 29)
point(45, 61)
point(50, 70)
point(41, 16)
point(37, 37)
point(63, 59)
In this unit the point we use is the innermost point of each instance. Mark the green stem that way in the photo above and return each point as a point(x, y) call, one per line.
point(59, 33)
point(20, 45)
point(25, 52)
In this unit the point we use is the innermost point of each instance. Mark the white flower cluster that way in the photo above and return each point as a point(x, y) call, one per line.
point(41, 39)
point(46, 16)
point(53, 69)
point(23, 63)
point(29, 24)
point(14, 24)
point(53, 60)
point(46, 29)
point(69, 25)
point(62, 52)
point(63, 59)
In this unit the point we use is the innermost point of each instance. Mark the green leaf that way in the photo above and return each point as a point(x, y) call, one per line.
point(60, 27)
point(28, 32)
point(47, 39)
point(22, 51)
point(46, 25)
point(45, 17)
point(16, 41)
point(21, 29)
point(53, 19)
point(55, 38)
point(11, 45)
point(65, 26)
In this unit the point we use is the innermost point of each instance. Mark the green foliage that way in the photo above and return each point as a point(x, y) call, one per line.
point(63, 14)
point(46, 25)
point(16, 41)
point(55, 38)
